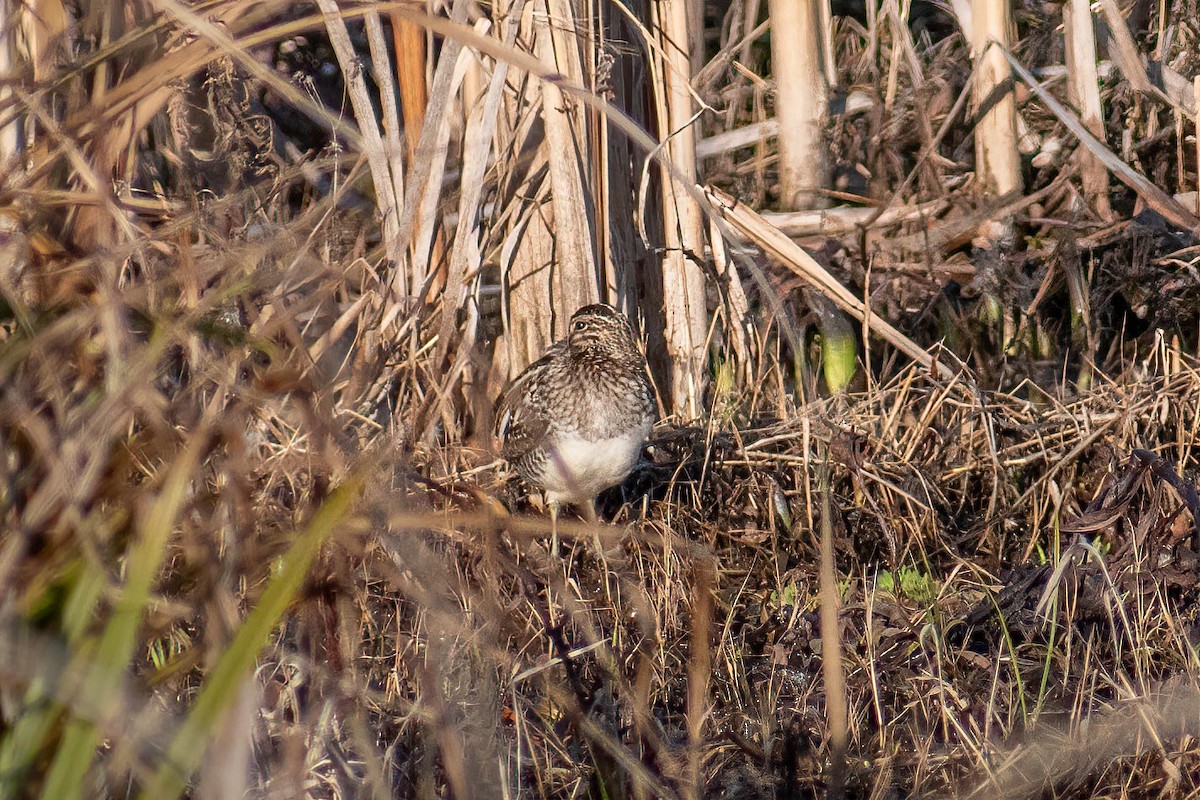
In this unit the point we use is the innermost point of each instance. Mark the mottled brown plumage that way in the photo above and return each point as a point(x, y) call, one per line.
point(573, 422)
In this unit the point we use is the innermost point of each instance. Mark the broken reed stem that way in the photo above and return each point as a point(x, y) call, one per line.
point(1196, 105)
point(801, 102)
point(831, 649)
point(699, 674)
point(409, 41)
point(1124, 50)
point(686, 315)
point(997, 160)
point(1079, 34)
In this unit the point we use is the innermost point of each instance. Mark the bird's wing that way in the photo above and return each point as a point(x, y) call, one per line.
point(521, 424)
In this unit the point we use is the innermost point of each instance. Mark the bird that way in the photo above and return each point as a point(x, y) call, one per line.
point(573, 422)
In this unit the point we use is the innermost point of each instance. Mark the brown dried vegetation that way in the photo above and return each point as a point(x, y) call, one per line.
point(254, 538)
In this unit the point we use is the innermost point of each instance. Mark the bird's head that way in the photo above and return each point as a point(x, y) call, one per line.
point(602, 331)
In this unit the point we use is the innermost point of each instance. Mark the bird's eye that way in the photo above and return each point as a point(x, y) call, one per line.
point(581, 325)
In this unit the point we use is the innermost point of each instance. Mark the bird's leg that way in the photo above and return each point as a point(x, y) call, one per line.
point(553, 528)
point(589, 514)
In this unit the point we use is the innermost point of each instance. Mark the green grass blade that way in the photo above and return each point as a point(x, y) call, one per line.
point(22, 743)
point(190, 742)
point(78, 747)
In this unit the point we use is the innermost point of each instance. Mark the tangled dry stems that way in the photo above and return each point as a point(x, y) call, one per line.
point(439, 645)
point(439, 641)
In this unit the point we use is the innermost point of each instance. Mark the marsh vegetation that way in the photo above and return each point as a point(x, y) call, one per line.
point(919, 287)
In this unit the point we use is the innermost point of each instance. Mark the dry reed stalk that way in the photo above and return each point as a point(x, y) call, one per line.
point(1178, 90)
point(526, 255)
point(489, 45)
point(699, 675)
point(686, 314)
point(720, 143)
point(843, 220)
point(997, 159)
point(527, 250)
point(737, 307)
point(734, 139)
point(621, 249)
point(10, 131)
point(387, 79)
point(832, 670)
point(96, 226)
point(801, 102)
point(775, 243)
point(599, 67)
point(1196, 133)
point(380, 157)
point(465, 257)
point(829, 59)
point(1159, 200)
point(417, 226)
point(43, 26)
point(1084, 93)
point(409, 42)
point(428, 245)
point(479, 137)
point(573, 279)
point(899, 27)
point(1124, 51)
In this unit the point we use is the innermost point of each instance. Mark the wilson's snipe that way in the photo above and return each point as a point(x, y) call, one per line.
point(573, 422)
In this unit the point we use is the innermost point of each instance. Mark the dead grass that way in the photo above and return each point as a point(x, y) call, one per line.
point(256, 542)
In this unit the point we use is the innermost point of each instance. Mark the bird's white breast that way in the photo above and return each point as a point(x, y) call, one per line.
point(578, 469)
